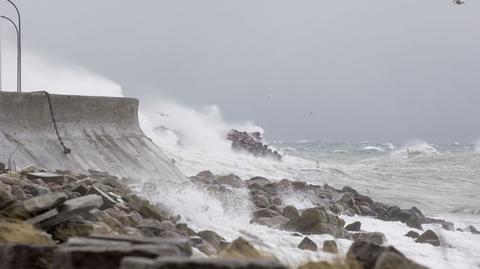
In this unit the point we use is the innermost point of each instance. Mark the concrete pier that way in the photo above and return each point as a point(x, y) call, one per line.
point(103, 133)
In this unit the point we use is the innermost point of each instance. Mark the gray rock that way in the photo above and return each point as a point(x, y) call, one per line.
point(394, 260)
point(290, 212)
point(412, 234)
point(47, 177)
point(354, 227)
point(207, 249)
point(471, 229)
point(108, 202)
point(346, 198)
point(72, 208)
point(261, 200)
point(307, 244)
point(215, 263)
point(206, 174)
point(136, 263)
point(367, 254)
point(370, 237)
point(231, 180)
point(44, 202)
point(330, 246)
point(317, 221)
point(214, 239)
point(22, 256)
point(265, 213)
point(273, 222)
point(429, 237)
point(259, 180)
point(101, 257)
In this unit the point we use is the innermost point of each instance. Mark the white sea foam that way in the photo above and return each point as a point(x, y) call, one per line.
point(414, 149)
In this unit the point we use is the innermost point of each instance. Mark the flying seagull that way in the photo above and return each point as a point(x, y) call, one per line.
point(458, 2)
point(163, 114)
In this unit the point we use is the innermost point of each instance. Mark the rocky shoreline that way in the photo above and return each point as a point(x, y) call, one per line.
point(67, 220)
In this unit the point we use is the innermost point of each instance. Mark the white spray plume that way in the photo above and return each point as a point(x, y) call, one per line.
point(41, 73)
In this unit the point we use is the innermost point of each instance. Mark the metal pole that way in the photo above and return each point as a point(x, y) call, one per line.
point(19, 48)
point(18, 36)
point(0, 56)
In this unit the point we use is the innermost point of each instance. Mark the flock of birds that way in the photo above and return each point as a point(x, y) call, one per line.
point(456, 2)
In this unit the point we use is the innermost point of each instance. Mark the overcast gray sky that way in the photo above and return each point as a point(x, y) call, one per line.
point(379, 70)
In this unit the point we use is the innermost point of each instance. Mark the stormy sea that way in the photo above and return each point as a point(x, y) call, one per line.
point(440, 180)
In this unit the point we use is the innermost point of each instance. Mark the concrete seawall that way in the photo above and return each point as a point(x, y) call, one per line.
point(103, 133)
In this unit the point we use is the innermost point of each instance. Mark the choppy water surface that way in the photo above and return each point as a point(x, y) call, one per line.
point(441, 180)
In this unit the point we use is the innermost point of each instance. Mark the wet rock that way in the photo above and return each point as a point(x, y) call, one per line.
point(291, 212)
point(354, 227)
point(370, 237)
point(70, 229)
point(240, 248)
point(265, 213)
point(412, 234)
point(273, 222)
point(261, 201)
point(307, 244)
point(231, 180)
point(106, 257)
point(317, 221)
point(394, 260)
point(251, 142)
point(5, 194)
point(258, 180)
point(44, 202)
point(145, 208)
point(346, 198)
point(23, 256)
point(429, 237)
point(330, 246)
point(367, 254)
point(199, 263)
point(351, 190)
point(214, 239)
point(108, 202)
point(471, 229)
point(206, 249)
point(206, 174)
point(73, 207)
point(183, 229)
point(47, 177)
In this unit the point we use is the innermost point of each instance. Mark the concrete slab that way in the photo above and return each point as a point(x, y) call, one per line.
point(103, 133)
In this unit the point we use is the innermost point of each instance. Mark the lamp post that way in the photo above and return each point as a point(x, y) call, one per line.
point(19, 48)
point(19, 89)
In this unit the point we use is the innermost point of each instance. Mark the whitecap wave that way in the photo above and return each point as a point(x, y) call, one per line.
point(414, 149)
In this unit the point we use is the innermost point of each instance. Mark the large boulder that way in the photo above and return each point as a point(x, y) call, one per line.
point(26, 256)
point(429, 237)
point(330, 246)
point(240, 248)
point(290, 212)
point(307, 244)
point(198, 263)
point(317, 221)
point(214, 239)
point(354, 227)
point(377, 238)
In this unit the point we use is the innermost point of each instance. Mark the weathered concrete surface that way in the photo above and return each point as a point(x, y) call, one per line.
point(103, 133)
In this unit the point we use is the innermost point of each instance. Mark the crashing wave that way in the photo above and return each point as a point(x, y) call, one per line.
point(415, 149)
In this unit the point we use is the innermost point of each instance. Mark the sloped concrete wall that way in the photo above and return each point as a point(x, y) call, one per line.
point(103, 133)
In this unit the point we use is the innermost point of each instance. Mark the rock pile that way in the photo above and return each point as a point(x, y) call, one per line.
point(253, 143)
point(76, 221)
